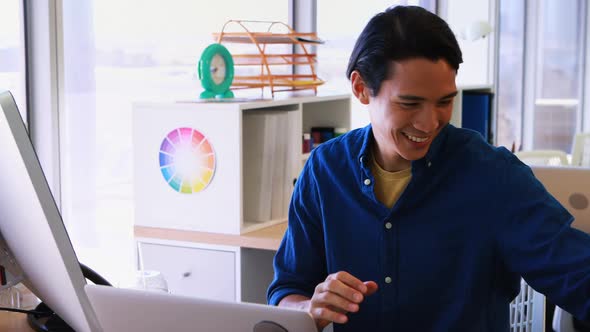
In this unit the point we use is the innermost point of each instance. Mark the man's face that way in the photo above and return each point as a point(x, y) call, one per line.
point(411, 108)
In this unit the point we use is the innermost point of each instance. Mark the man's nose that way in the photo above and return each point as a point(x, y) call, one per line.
point(427, 119)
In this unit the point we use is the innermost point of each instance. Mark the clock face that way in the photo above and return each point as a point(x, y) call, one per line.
point(217, 69)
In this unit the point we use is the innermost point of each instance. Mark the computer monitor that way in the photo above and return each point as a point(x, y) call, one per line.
point(570, 185)
point(32, 227)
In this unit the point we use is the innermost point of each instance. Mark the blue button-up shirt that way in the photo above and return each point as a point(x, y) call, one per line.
point(471, 222)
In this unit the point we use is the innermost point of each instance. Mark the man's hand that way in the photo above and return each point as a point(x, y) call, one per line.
point(332, 299)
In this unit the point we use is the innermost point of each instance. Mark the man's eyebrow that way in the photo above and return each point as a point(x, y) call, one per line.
point(417, 98)
point(450, 95)
point(411, 97)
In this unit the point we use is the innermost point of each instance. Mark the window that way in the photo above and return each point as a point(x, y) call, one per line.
point(541, 71)
point(558, 65)
point(12, 56)
point(117, 53)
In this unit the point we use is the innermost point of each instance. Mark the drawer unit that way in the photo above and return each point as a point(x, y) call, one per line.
point(193, 270)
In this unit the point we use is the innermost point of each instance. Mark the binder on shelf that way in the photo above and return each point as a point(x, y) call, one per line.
point(269, 152)
point(278, 146)
point(293, 159)
point(321, 134)
point(257, 165)
point(306, 143)
point(476, 112)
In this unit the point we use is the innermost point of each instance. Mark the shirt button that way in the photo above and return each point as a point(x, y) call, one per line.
point(367, 182)
point(387, 280)
point(362, 159)
point(388, 225)
point(429, 164)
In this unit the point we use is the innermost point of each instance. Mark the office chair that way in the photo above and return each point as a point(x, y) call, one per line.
point(527, 310)
point(581, 150)
point(543, 157)
point(563, 321)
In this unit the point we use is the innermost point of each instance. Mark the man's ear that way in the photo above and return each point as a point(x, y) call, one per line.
point(359, 88)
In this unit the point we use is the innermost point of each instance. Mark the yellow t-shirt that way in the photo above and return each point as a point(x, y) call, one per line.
point(389, 185)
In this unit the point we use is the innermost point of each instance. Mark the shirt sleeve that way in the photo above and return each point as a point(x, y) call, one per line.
point(299, 263)
point(536, 241)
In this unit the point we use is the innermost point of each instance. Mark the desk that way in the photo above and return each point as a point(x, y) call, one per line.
point(239, 266)
point(14, 321)
point(263, 242)
point(268, 238)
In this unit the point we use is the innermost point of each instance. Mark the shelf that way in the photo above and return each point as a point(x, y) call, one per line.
point(276, 80)
point(216, 225)
point(250, 227)
point(267, 38)
point(237, 199)
point(266, 237)
point(273, 59)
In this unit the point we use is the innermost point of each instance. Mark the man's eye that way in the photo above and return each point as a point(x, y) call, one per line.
point(409, 105)
point(445, 102)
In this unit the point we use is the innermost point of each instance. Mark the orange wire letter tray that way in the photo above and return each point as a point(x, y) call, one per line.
point(268, 61)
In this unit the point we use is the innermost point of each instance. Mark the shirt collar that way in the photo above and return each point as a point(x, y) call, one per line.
point(365, 152)
point(431, 157)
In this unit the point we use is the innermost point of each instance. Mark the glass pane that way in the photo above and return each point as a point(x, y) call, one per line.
point(511, 73)
point(558, 69)
point(116, 53)
point(558, 127)
point(12, 52)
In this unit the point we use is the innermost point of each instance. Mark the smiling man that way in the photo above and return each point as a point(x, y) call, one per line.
point(411, 224)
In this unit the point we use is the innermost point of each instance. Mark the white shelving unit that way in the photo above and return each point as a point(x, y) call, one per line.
point(231, 130)
point(214, 242)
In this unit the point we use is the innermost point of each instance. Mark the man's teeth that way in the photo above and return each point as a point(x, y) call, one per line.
point(417, 139)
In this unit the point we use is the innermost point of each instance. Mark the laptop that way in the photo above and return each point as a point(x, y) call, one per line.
point(133, 310)
point(571, 187)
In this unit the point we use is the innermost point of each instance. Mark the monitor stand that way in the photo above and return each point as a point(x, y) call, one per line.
point(45, 320)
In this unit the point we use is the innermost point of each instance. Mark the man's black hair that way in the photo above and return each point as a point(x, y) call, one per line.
point(400, 33)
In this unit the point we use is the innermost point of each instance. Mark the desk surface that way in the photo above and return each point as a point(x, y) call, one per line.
point(14, 321)
point(268, 238)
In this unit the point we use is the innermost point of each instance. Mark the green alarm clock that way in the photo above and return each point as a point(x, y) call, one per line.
point(216, 72)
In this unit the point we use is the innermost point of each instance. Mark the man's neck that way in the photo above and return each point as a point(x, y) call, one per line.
point(390, 161)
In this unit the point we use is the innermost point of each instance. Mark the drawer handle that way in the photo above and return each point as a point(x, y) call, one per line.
point(186, 274)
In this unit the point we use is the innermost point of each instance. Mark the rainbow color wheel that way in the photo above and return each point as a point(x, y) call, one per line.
point(187, 160)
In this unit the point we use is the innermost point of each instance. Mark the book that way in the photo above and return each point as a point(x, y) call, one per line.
point(256, 182)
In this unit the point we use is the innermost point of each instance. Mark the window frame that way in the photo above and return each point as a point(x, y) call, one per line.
point(43, 37)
